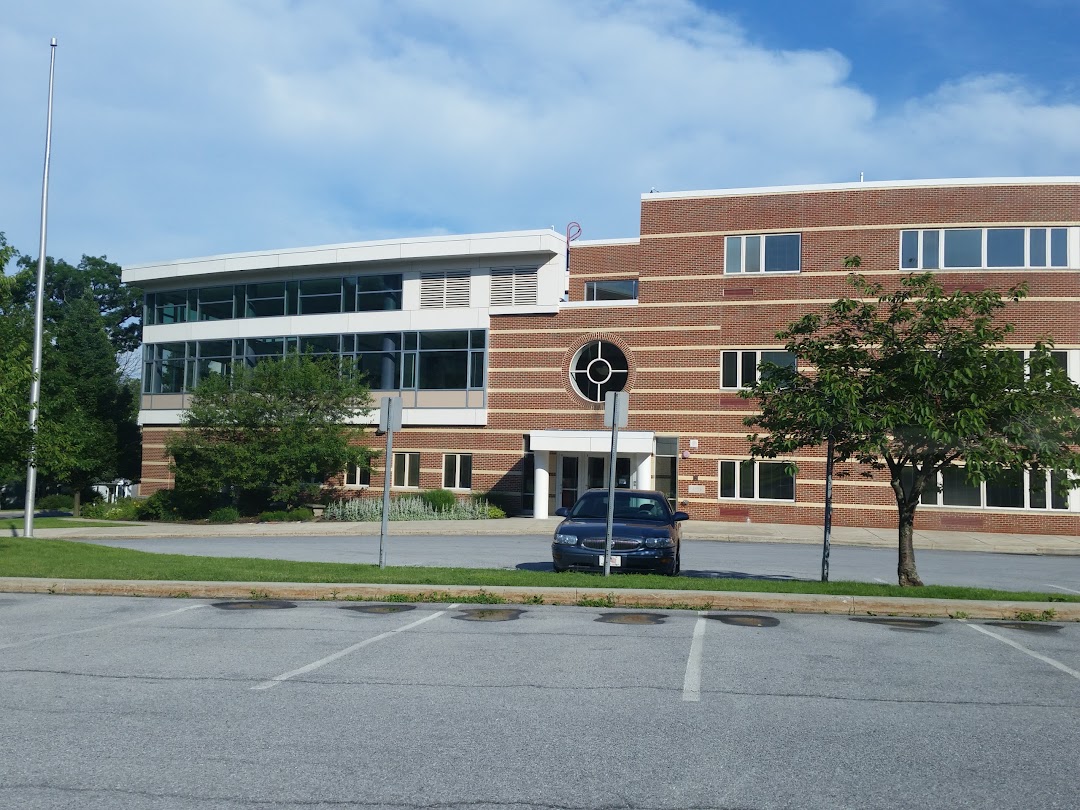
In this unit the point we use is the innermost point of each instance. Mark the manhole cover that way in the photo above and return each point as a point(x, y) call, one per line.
point(489, 615)
point(390, 608)
point(900, 624)
point(632, 618)
point(258, 604)
point(741, 620)
point(1031, 627)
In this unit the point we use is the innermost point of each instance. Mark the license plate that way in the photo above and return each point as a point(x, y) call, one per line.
point(616, 562)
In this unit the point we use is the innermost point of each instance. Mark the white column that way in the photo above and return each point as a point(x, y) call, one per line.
point(644, 472)
point(541, 460)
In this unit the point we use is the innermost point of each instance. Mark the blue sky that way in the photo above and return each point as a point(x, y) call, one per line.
point(188, 128)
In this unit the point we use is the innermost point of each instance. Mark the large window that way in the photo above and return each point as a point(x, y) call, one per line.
point(457, 471)
point(392, 361)
point(624, 289)
point(968, 248)
point(597, 368)
point(1008, 489)
point(757, 480)
point(772, 253)
point(406, 470)
point(309, 296)
point(740, 369)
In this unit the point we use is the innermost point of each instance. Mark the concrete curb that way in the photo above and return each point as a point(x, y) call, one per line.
point(597, 597)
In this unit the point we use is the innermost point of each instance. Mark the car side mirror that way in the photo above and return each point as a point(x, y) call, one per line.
point(562, 511)
point(680, 516)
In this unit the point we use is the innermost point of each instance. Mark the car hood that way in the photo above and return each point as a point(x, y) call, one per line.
point(586, 529)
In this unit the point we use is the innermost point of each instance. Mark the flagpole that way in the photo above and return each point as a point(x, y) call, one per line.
point(35, 384)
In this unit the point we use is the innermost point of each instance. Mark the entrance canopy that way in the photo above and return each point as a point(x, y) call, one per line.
point(590, 441)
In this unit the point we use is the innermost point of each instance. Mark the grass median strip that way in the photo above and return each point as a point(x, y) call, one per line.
point(60, 523)
point(60, 559)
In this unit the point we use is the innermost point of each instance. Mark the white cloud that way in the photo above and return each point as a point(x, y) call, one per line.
point(187, 128)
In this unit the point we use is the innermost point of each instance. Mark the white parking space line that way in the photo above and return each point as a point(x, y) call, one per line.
point(94, 629)
point(314, 665)
point(691, 689)
point(1062, 588)
point(1025, 650)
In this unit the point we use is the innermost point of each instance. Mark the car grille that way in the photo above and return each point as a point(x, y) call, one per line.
point(617, 543)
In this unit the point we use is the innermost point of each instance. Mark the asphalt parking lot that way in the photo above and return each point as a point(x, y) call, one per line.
point(133, 703)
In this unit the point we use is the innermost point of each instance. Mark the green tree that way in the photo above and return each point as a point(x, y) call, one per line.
point(84, 405)
point(119, 305)
point(270, 433)
point(914, 381)
point(15, 374)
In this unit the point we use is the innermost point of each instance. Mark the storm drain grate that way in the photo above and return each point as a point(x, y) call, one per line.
point(489, 615)
point(258, 604)
point(899, 624)
point(1031, 627)
point(632, 618)
point(745, 620)
point(379, 608)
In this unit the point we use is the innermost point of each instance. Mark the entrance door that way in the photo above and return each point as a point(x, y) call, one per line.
point(569, 481)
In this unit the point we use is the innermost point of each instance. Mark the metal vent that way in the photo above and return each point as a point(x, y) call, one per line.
point(443, 290)
point(513, 287)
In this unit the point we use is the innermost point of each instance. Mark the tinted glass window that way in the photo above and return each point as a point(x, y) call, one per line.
point(909, 249)
point(963, 248)
point(733, 254)
point(1006, 489)
point(1005, 247)
point(1038, 247)
point(775, 481)
point(956, 491)
point(931, 248)
point(1058, 248)
point(782, 252)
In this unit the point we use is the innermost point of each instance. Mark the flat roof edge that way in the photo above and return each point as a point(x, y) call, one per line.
point(862, 185)
point(413, 240)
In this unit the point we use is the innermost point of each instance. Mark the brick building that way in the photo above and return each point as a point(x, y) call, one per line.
point(502, 348)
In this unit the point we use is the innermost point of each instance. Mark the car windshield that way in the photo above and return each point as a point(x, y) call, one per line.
point(628, 506)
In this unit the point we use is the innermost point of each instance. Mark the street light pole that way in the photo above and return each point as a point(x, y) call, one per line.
point(35, 383)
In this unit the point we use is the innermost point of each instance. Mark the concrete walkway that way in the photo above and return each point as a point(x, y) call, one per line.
point(692, 530)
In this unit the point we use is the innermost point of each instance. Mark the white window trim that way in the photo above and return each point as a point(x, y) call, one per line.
point(345, 479)
point(757, 481)
point(457, 472)
point(742, 271)
point(739, 369)
point(1072, 248)
point(1073, 499)
point(393, 466)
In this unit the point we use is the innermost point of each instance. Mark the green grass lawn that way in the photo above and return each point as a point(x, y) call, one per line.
point(59, 523)
point(59, 559)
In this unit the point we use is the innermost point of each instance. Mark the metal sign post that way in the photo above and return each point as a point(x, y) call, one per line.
point(389, 421)
point(616, 412)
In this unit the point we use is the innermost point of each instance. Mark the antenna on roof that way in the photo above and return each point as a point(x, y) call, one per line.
point(573, 231)
point(861, 177)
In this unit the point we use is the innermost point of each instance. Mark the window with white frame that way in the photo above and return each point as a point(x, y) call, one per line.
point(740, 369)
point(763, 253)
point(1008, 489)
point(357, 476)
point(757, 480)
point(457, 471)
point(968, 248)
point(619, 289)
point(406, 470)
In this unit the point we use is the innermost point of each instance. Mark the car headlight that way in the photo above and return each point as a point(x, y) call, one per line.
point(566, 539)
point(659, 542)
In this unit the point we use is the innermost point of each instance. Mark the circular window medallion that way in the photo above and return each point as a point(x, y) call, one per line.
point(599, 367)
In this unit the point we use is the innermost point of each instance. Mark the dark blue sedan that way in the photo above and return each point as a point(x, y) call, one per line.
point(644, 533)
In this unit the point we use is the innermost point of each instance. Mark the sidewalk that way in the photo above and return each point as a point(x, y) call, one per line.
point(692, 530)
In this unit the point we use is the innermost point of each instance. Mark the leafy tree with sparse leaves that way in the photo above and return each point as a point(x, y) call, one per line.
point(914, 381)
point(272, 433)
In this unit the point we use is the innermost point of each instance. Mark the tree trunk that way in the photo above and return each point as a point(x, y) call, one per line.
point(76, 510)
point(905, 568)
